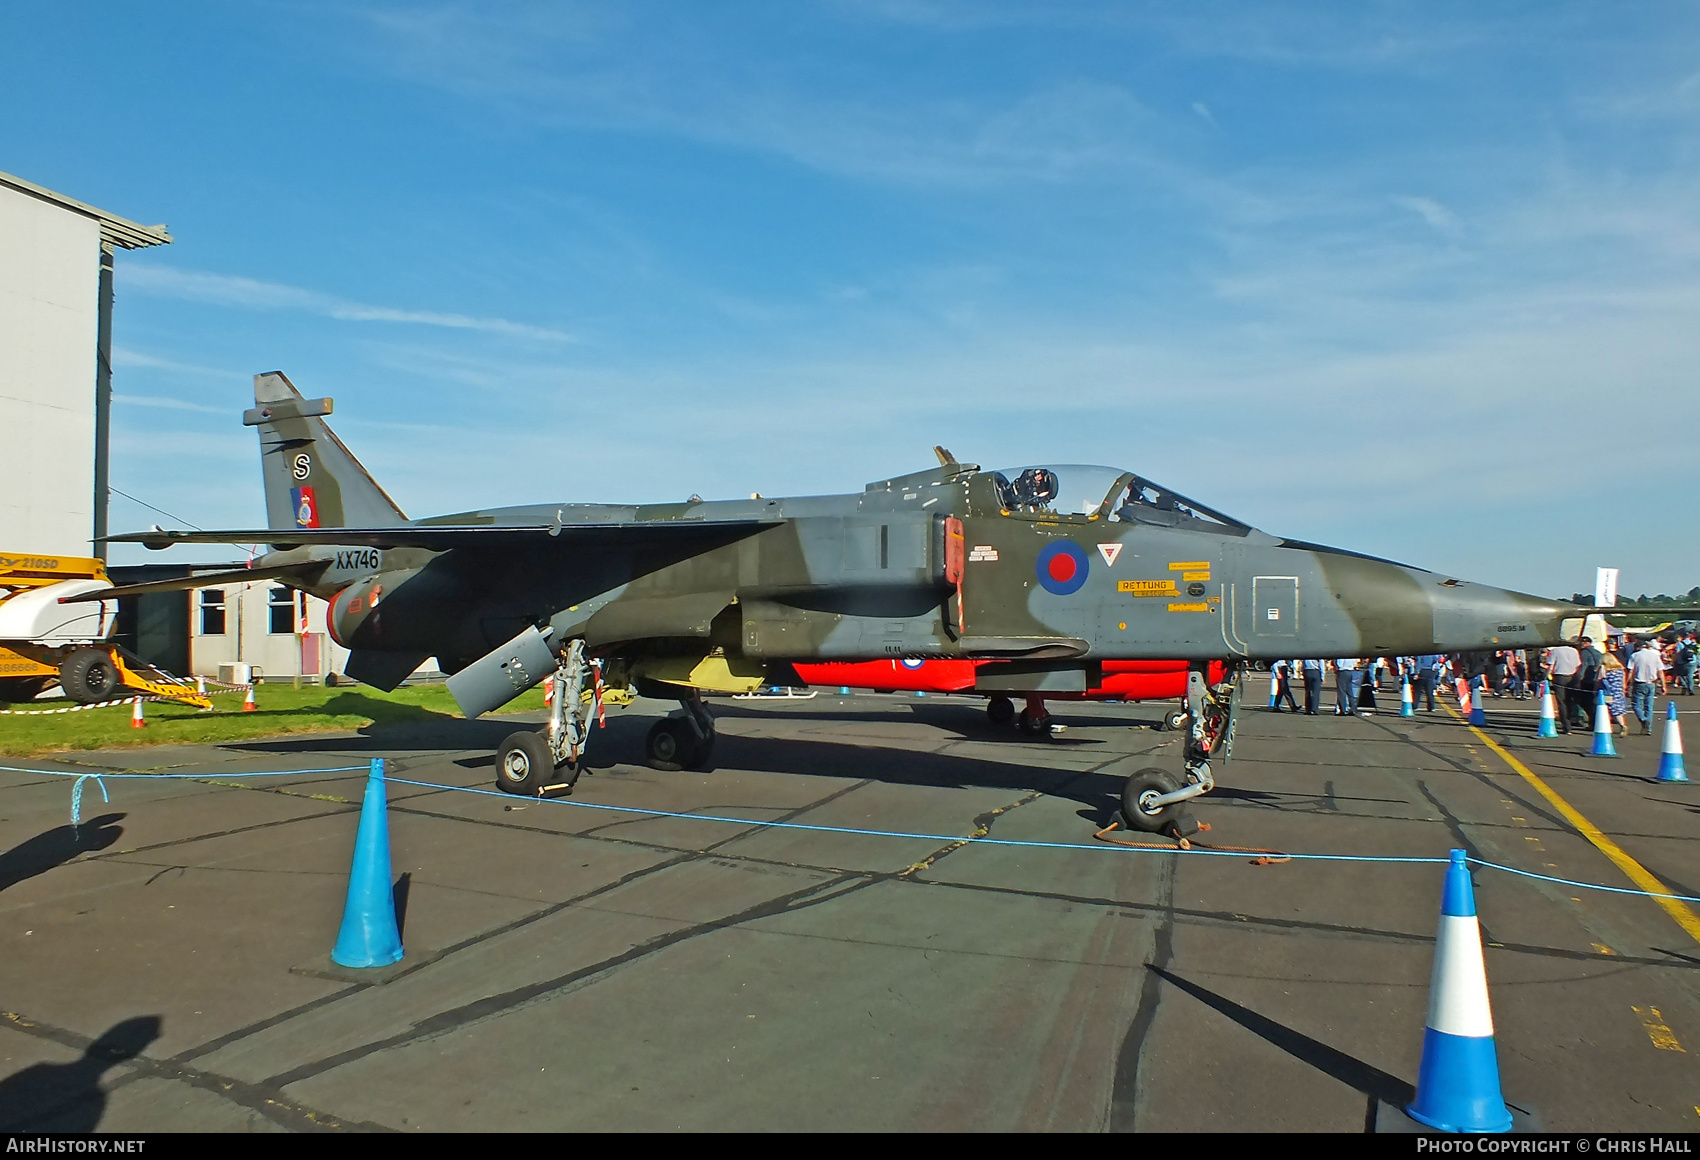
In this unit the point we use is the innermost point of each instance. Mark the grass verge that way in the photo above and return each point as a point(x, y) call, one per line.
point(279, 709)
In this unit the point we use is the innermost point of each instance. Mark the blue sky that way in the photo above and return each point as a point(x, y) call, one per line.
point(1418, 280)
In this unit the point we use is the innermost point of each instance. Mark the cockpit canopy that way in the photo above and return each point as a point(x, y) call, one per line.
point(1083, 490)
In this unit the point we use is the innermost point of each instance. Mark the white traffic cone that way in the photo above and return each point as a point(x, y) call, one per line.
point(1458, 1080)
point(1670, 760)
point(1603, 746)
point(137, 721)
point(248, 701)
point(200, 685)
point(1273, 685)
point(1549, 719)
point(1407, 708)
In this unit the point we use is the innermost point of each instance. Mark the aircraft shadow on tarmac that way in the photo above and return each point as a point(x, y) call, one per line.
point(622, 744)
point(67, 1097)
point(57, 846)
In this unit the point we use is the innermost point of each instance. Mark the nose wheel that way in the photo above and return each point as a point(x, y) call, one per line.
point(1143, 807)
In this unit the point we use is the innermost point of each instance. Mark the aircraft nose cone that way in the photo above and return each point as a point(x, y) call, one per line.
point(1470, 617)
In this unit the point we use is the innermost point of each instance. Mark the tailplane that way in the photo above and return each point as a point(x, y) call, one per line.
point(312, 480)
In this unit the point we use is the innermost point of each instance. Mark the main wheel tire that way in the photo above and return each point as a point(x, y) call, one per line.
point(89, 675)
point(1000, 710)
point(1136, 795)
point(524, 764)
point(700, 755)
point(671, 745)
point(1034, 726)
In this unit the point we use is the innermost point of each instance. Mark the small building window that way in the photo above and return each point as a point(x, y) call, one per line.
point(282, 611)
point(212, 612)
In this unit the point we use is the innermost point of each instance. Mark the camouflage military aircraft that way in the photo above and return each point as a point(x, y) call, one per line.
point(1048, 570)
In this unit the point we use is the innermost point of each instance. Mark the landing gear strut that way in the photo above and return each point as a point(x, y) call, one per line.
point(1151, 799)
point(547, 763)
point(1035, 720)
point(685, 741)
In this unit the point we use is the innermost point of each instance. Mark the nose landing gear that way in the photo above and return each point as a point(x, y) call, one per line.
point(1152, 798)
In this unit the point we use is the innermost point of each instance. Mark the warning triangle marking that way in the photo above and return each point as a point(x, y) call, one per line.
point(1110, 552)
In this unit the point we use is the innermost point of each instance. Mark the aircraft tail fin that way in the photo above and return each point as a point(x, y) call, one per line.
point(312, 480)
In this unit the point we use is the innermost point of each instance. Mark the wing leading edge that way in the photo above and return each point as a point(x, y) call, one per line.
point(442, 539)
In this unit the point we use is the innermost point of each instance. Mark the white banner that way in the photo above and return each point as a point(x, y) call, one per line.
point(1605, 587)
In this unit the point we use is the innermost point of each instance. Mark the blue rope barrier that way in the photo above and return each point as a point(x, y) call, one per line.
point(984, 840)
point(989, 841)
point(77, 796)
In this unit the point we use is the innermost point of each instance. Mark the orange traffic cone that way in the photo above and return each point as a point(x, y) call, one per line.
point(248, 701)
point(137, 721)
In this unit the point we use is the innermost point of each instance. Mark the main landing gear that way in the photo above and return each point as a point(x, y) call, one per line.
point(682, 741)
point(547, 764)
point(1034, 720)
point(1153, 799)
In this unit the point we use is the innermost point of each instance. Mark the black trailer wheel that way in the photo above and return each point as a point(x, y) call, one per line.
point(671, 745)
point(1000, 710)
point(524, 764)
point(1138, 809)
point(89, 675)
point(1172, 719)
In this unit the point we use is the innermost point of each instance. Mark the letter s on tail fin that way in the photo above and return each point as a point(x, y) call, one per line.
point(312, 480)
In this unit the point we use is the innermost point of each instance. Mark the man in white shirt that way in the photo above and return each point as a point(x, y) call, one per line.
point(1565, 662)
point(1346, 680)
point(1646, 681)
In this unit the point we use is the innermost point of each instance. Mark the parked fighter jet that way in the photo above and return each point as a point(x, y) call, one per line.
point(1051, 570)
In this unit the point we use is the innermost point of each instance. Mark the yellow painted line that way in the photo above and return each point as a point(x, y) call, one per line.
point(1603, 949)
point(1637, 873)
point(1663, 1037)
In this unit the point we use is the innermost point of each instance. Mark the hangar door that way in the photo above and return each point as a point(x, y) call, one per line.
point(1274, 606)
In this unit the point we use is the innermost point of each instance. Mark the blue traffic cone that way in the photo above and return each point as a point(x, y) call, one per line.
point(1478, 699)
point(1670, 761)
point(369, 936)
point(1549, 719)
point(844, 690)
point(1406, 707)
point(1602, 729)
point(1458, 1080)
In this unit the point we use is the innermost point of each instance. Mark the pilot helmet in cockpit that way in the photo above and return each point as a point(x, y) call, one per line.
point(1035, 488)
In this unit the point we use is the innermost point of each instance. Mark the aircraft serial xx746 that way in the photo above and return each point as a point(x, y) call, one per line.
point(1050, 571)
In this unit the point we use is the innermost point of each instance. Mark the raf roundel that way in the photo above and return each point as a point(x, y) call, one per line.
point(1062, 568)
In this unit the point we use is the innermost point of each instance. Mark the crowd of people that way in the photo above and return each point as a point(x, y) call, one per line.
point(1632, 673)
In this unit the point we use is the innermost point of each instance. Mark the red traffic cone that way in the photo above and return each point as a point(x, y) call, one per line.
point(248, 701)
point(137, 721)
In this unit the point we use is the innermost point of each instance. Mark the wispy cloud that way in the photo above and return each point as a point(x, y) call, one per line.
point(252, 294)
point(1442, 219)
point(168, 403)
point(123, 356)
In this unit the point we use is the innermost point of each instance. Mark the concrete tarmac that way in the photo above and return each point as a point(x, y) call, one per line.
point(165, 967)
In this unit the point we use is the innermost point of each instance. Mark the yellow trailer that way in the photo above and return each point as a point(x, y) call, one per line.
point(44, 642)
